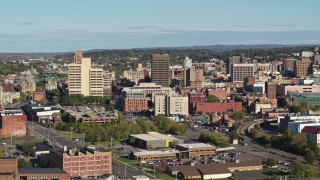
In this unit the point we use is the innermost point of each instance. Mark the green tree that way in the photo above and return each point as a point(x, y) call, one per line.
point(309, 156)
point(299, 170)
point(255, 133)
point(271, 162)
point(233, 135)
point(238, 116)
point(22, 163)
point(213, 98)
point(28, 148)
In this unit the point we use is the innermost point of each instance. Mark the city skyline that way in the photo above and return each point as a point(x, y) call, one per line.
point(61, 26)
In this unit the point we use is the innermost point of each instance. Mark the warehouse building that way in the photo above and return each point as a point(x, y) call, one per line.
point(153, 140)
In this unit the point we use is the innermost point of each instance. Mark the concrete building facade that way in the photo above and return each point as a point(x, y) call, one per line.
point(241, 71)
point(170, 105)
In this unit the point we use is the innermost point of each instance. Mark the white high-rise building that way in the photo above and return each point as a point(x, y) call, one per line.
point(169, 105)
point(187, 63)
point(83, 79)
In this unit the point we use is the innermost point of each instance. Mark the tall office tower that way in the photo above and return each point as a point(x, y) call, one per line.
point(241, 71)
point(107, 83)
point(288, 66)
point(160, 69)
point(271, 90)
point(302, 68)
point(78, 57)
point(243, 59)
point(83, 79)
point(232, 60)
point(186, 63)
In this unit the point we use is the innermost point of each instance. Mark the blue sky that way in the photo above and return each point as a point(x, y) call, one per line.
point(66, 25)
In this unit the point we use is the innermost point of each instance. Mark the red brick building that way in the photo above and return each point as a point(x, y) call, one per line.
point(217, 107)
point(82, 163)
point(197, 84)
point(196, 97)
point(13, 125)
point(38, 95)
point(135, 104)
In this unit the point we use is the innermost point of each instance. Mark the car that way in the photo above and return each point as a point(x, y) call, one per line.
point(4, 143)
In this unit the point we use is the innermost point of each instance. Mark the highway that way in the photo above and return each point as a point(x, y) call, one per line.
point(247, 126)
point(120, 169)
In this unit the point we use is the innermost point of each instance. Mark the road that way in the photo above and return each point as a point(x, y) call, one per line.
point(51, 136)
point(242, 133)
point(120, 169)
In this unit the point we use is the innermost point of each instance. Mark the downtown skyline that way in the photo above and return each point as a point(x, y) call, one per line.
point(59, 26)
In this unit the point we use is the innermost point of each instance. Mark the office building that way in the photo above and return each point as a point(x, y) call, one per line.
point(134, 76)
point(160, 69)
point(232, 60)
point(186, 63)
point(241, 71)
point(302, 68)
point(288, 66)
point(134, 100)
point(83, 79)
point(86, 162)
point(108, 78)
point(170, 105)
point(271, 90)
point(196, 151)
point(151, 89)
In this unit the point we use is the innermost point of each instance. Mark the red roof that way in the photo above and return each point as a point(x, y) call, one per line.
point(311, 129)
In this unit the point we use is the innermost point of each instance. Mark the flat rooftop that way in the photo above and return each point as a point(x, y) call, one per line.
point(153, 136)
point(196, 145)
point(40, 171)
point(145, 152)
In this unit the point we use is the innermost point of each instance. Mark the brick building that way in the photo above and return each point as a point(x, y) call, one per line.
point(196, 150)
point(196, 97)
point(38, 95)
point(271, 90)
point(9, 171)
point(302, 68)
point(82, 163)
point(13, 123)
point(196, 84)
point(220, 93)
point(217, 107)
point(135, 104)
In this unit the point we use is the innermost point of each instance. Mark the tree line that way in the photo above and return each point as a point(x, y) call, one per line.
point(289, 142)
point(121, 131)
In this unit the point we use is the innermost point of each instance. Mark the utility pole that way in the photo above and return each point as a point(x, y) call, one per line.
point(154, 170)
point(125, 171)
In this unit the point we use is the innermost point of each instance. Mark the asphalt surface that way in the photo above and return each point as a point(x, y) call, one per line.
point(51, 136)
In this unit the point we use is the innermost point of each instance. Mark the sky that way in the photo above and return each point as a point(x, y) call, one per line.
point(67, 25)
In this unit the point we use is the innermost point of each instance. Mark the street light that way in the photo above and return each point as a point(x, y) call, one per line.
point(111, 141)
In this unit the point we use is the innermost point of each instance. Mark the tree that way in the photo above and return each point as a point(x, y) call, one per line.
point(238, 116)
point(213, 98)
point(299, 170)
point(233, 135)
point(22, 163)
point(271, 162)
point(309, 156)
point(44, 101)
point(28, 148)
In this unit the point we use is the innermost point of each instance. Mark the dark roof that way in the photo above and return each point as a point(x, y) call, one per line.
point(40, 146)
point(216, 165)
point(311, 129)
point(40, 171)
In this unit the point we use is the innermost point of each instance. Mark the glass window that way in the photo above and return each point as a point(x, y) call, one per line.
point(54, 178)
point(44, 178)
point(33, 178)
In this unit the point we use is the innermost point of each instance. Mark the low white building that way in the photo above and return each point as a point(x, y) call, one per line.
point(298, 126)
